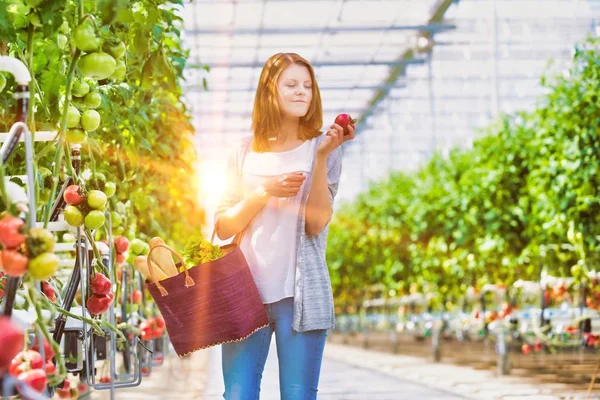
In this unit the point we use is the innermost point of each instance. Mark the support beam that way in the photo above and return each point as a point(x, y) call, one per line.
point(303, 30)
point(200, 88)
point(409, 54)
point(316, 64)
point(248, 114)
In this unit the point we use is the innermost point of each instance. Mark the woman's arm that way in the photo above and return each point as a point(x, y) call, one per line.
point(235, 219)
point(319, 207)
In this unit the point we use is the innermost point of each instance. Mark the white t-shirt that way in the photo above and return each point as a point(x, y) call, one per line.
point(269, 241)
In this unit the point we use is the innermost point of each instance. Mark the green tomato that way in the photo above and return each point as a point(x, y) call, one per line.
point(43, 266)
point(17, 13)
point(120, 71)
point(39, 241)
point(115, 219)
point(35, 20)
point(137, 246)
point(118, 50)
point(90, 120)
point(80, 88)
point(62, 41)
point(85, 37)
point(33, 3)
point(76, 136)
point(97, 199)
point(73, 216)
point(94, 220)
point(2, 82)
point(110, 188)
point(73, 117)
point(97, 65)
point(92, 100)
point(64, 27)
point(46, 176)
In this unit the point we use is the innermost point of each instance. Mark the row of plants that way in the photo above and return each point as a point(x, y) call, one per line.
point(106, 79)
point(521, 202)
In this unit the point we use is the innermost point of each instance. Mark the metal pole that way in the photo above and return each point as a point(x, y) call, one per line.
point(431, 102)
point(494, 51)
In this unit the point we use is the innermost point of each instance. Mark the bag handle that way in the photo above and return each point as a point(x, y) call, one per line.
point(188, 279)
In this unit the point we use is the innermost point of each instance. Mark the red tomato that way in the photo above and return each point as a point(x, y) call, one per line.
point(10, 232)
point(136, 296)
point(11, 338)
point(35, 378)
point(73, 195)
point(345, 120)
point(14, 263)
point(121, 244)
point(49, 291)
point(100, 284)
point(48, 352)
point(97, 304)
point(50, 368)
point(24, 361)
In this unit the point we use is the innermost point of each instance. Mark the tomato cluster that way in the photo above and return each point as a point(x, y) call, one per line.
point(85, 208)
point(30, 367)
point(29, 251)
point(102, 295)
point(152, 328)
point(99, 62)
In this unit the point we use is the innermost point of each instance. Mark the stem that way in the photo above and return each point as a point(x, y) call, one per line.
point(31, 115)
point(114, 329)
point(81, 318)
point(62, 371)
point(3, 193)
point(90, 237)
point(61, 137)
point(55, 172)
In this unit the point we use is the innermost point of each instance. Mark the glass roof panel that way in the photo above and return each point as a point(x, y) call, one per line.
point(487, 58)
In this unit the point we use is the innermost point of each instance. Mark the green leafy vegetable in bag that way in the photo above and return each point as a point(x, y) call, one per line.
point(198, 250)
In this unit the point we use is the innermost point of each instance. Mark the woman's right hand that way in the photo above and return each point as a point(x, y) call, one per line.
point(287, 185)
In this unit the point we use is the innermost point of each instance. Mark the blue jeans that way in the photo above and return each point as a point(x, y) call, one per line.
point(299, 354)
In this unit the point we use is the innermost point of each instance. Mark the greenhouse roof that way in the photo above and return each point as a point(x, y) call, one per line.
point(372, 60)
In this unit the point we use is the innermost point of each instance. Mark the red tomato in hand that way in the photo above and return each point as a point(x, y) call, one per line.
point(345, 120)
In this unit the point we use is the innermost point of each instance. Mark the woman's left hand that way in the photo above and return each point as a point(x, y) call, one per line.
point(335, 138)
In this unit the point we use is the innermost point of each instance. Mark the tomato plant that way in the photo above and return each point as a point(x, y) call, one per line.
point(525, 193)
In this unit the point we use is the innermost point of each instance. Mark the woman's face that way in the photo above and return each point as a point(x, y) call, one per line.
point(295, 91)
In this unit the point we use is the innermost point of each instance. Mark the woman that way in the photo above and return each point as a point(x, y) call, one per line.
point(280, 191)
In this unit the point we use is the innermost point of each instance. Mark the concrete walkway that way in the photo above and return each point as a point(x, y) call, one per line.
point(339, 380)
point(348, 373)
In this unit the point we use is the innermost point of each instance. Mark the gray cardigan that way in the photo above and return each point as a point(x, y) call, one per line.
point(313, 299)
